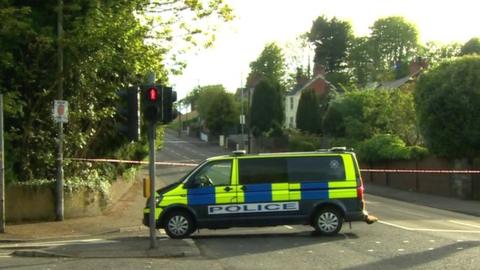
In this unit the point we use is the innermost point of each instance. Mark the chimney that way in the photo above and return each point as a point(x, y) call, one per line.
point(318, 69)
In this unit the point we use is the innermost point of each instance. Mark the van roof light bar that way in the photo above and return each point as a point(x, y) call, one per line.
point(239, 152)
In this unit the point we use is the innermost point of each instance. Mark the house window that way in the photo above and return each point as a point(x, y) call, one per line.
point(291, 103)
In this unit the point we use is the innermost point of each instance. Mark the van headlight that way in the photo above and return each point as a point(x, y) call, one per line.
point(158, 199)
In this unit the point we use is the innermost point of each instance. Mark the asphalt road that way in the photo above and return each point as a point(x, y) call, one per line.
point(408, 236)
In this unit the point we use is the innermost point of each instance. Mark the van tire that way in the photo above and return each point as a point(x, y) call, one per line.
point(179, 224)
point(328, 221)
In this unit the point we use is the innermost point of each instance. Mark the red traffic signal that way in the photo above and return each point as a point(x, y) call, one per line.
point(152, 94)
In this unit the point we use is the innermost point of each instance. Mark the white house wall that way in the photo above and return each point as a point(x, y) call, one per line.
point(291, 109)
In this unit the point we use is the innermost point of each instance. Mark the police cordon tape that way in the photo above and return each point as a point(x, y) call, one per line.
point(132, 161)
point(419, 171)
point(166, 163)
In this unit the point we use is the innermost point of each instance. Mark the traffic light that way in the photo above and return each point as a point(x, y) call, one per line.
point(128, 114)
point(158, 103)
point(168, 97)
point(151, 103)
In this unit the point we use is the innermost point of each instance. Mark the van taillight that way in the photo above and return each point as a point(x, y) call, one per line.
point(360, 189)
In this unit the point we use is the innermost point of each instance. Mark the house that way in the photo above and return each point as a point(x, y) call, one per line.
point(318, 83)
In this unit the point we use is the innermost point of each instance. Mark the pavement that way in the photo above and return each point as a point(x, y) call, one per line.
point(469, 207)
point(113, 235)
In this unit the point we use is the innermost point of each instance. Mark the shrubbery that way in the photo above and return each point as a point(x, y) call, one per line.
point(388, 147)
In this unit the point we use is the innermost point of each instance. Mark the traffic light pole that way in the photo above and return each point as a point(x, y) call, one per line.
point(152, 170)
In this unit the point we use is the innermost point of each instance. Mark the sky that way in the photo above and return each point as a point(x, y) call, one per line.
point(259, 22)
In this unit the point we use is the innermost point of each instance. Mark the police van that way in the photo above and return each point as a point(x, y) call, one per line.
point(321, 188)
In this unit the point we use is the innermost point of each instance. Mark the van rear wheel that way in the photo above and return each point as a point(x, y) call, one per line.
point(328, 221)
point(178, 225)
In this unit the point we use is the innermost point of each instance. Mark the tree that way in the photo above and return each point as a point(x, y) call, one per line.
point(269, 65)
point(266, 113)
point(361, 114)
point(360, 61)
point(106, 45)
point(436, 52)
point(308, 117)
point(447, 99)
point(205, 97)
point(471, 47)
point(331, 39)
point(222, 114)
point(394, 42)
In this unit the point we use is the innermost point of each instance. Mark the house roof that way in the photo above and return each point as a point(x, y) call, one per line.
point(300, 88)
point(399, 82)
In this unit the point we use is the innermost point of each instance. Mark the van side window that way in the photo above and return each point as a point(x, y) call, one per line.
point(262, 170)
point(326, 168)
point(217, 173)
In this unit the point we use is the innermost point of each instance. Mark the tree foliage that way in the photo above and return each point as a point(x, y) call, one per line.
point(222, 114)
point(107, 44)
point(447, 99)
point(266, 113)
point(331, 39)
point(205, 97)
point(394, 42)
point(308, 117)
point(361, 114)
point(436, 52)
point(269, 65)
point(471, 47)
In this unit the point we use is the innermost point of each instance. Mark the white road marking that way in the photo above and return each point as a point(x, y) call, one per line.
point(288, 227)
point(56, 243)
point(464, 224)
point(401, 249)
point(426, 229)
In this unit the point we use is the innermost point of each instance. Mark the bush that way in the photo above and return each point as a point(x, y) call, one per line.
point(388, 147)
point(303, 142)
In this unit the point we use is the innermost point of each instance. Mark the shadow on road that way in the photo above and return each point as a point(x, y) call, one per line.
point(239, 244)
point(415, 259)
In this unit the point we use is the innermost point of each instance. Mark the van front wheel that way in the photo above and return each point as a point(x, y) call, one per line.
point(328, 221)
point(179, 225)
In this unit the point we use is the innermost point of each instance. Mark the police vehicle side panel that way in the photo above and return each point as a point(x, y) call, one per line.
point(265, 195)
point(265, 203)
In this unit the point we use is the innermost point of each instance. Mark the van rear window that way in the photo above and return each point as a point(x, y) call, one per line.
point(291, 169)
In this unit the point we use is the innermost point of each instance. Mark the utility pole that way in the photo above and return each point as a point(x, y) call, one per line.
point(2, 170)
point(59, 187)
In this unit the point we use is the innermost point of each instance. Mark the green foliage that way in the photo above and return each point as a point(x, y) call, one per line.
point(270, 65)
point(361, 114)
point(205, 97)
point(222, 114)
point(331, 39)
point(471, 47)
point(360, 60)
point(308, 118)
point(447, 99)
point(394, 41)
point(107, 44)
point(388, 147)
point(436, 52)
point(303, 142)
point(266, 112)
